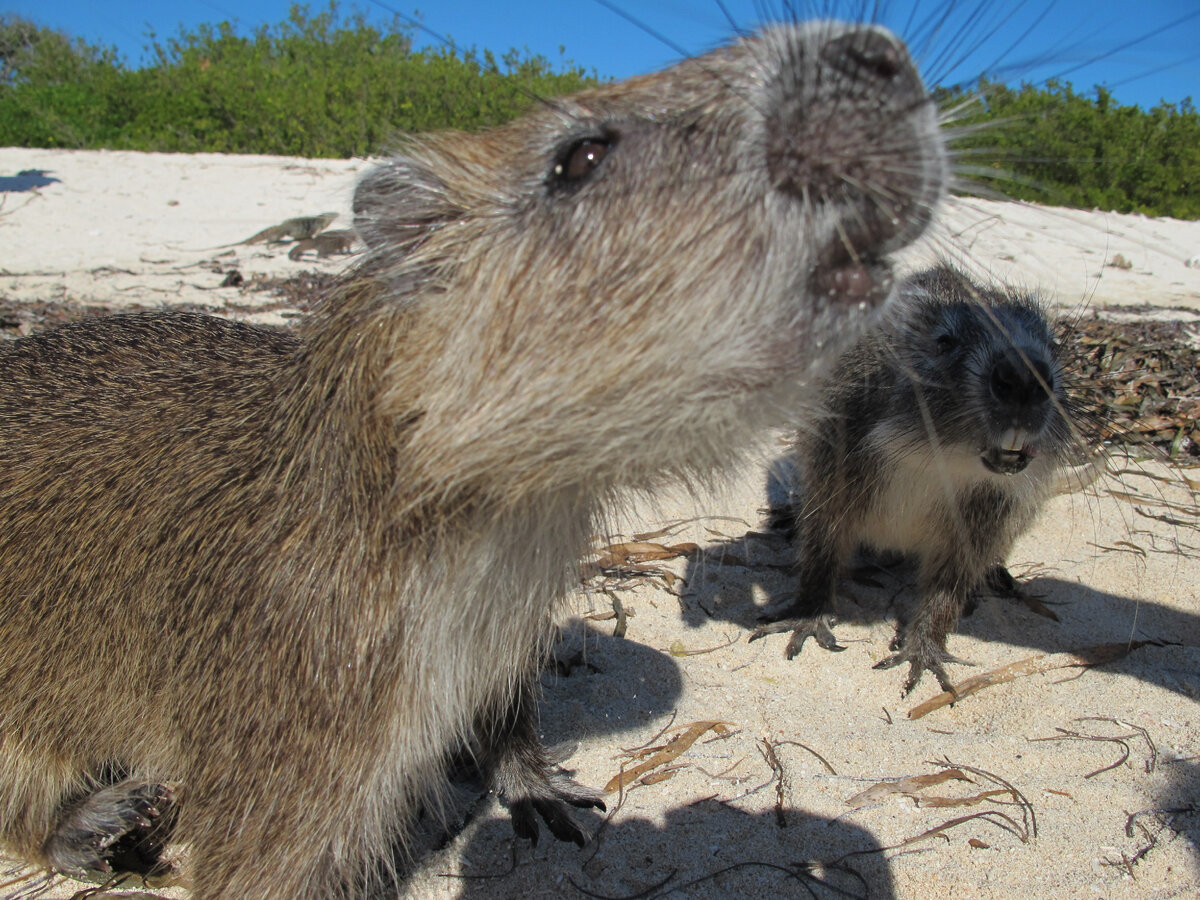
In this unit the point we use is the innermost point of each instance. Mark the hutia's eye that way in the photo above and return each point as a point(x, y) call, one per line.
point(582, 159)
point(946, 343)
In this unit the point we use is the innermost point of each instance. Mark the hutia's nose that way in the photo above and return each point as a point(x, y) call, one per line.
point(866, 55)
point(1021, 380)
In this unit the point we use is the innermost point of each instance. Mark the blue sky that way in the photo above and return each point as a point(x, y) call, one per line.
point(1110, 42)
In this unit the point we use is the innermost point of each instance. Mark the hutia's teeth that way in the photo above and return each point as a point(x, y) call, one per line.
point(1013, 440)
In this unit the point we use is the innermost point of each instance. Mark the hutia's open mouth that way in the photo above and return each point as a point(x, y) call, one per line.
point(844, 279)
point(1011, 455)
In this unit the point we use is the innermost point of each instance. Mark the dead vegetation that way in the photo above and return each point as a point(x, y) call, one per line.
point(1140, 380)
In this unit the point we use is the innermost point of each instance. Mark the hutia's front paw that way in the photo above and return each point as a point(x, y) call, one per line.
point(921, 656)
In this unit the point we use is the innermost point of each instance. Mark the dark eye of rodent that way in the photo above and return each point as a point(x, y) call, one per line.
point(946, 343)
point(582, 159)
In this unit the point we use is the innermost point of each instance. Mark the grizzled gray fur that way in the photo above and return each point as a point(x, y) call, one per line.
point(942, 433)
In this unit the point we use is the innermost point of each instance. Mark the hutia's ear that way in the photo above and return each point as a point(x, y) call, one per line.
point(398, 203)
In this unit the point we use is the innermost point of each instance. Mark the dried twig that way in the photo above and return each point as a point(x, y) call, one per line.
point(1033, 665)
point(768, 752)
point(663, 755)
point(724, 775)
point(1119, 739)
point(647, 892)
point(1027, 811)
point(671, 721)
point(824, 761)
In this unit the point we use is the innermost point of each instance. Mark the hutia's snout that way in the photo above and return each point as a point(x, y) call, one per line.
point(1021, 383)
point(851, 137)
point(839, 120)
point(869, 55)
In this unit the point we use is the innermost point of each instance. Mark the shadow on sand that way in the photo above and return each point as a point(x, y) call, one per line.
point(26, 180)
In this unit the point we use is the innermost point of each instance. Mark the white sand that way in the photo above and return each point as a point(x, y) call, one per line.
point(119, 228)
point(122, 228)
point(1068, 254)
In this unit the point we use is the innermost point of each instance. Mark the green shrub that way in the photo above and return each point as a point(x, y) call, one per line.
point(314, 85)
point(1053, 145)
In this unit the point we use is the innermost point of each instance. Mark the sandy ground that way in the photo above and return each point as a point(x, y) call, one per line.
point(1068, 781)
point(117, 228)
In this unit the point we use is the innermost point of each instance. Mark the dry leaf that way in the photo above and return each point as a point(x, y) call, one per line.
point(664, 775)
point(1142, 500)
point(1043, 662)
point(641, 551)
point(909, 786)
point(677, 649)
point(676, 746)
point(651, 535)
point(973, 800)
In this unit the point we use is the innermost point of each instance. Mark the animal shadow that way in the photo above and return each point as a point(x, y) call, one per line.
point(705, 848)
point(27, 180)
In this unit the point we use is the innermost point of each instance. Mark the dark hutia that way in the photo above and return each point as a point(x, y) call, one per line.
point(260, 589)
point(943, 431)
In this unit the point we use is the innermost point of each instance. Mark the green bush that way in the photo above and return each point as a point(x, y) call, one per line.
point(314, 85)
point(1053, 145)
point(55, 92)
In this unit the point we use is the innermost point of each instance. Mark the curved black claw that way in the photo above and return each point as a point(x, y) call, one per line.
point(552, 803)
point(922, 657)
point(819, 628)
point(119, 828)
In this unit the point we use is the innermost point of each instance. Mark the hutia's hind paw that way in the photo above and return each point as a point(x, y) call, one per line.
point(819, 628)
point(119, 828)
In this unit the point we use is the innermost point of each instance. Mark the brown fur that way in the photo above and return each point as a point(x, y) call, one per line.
point(291, 577)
